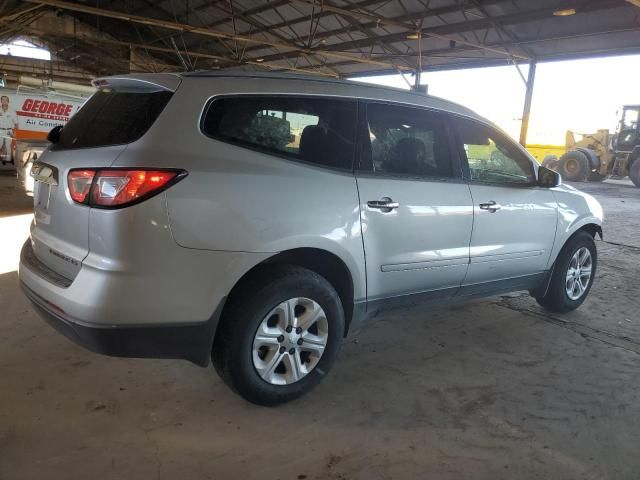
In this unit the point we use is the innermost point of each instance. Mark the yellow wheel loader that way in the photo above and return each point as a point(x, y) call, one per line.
point(599, 155)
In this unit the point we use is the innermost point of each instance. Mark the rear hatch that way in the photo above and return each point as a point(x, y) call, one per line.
point(119, 113)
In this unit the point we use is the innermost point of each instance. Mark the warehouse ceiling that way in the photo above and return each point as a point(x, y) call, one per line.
point(326, 37)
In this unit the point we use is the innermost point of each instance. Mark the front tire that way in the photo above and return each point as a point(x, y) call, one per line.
point(573, 274)
point(279, 335)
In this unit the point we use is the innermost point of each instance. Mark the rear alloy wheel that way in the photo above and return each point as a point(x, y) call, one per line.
point(573, 275)
point(574, 166)
point(279, 334)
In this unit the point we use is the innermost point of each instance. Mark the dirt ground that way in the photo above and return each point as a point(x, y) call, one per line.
point(495, 389)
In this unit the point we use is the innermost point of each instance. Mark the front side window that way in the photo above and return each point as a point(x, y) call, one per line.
point(408, 141)
point(490, 156)
point(316, 130)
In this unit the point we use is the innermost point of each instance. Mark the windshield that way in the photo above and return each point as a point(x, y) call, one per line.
point(630, 118)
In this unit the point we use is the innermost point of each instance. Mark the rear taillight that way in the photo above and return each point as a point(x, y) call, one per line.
point(120, 187)
point(115, 188)
point(79, 184)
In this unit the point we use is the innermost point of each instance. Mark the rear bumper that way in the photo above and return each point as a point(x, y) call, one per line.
point(137, 293)
point(170, 287)
point(191, 342)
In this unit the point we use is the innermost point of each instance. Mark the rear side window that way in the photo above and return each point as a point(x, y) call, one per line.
point(112, 117)
point(408, 141)
point(316, 130)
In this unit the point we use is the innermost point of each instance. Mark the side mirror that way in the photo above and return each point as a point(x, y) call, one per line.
point(547, 178)
point(54, 134)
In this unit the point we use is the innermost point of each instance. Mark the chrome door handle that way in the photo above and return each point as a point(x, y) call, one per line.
point(385, 204)
point(491, 206)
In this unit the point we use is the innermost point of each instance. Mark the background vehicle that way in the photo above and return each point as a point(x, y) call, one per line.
point(28, 113)
point(26, 153)
point(585, 159)
point(239, 239)
point(598, 155)
point(626, 145)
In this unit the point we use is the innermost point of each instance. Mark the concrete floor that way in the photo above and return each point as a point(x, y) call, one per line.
point(489, 390)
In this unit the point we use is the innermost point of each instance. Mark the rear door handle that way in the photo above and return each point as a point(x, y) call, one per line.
point(385, 204)
point(491, 206)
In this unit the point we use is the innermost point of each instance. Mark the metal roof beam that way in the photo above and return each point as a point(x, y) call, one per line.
point(186, 28)
point(440, 52)
point(273, 5)
point(498, 27)
point(467, 26)
point(155, 48)
point(259, 25)
point(432, 12)
point(581, 6)
point(376, 20)
point(251, 11)
point(410, 27)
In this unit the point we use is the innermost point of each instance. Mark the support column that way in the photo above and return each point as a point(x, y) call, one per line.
point(527, 103)
point(416, 86)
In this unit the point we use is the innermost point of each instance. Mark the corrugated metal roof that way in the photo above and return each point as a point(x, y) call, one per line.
point(337, 38)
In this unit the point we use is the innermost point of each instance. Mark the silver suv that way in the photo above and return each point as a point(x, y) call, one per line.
point(259, 219)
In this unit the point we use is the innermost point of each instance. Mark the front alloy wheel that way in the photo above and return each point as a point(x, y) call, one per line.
point(578, 274)
point(572, 276)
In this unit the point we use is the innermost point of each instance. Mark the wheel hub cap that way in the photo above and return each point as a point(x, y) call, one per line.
point(290, 341)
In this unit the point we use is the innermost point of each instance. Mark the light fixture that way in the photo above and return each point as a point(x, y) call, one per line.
point(564, 13)
point(413, 36)
point(259, 59)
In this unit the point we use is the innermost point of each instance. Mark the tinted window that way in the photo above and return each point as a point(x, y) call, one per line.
point(408, 141)
point(492, 157)
point(315, 130)
point(112, 117)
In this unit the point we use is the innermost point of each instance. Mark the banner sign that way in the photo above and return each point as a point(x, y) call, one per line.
point(30, 116)
point(41, 114)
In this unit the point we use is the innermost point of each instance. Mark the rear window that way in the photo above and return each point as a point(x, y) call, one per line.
point(315, 130)
point(112, 117)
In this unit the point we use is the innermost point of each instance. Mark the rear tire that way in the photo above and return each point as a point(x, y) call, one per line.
point(574, 166)
point(578, 256)
point(266, 363)
point(634, 173)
